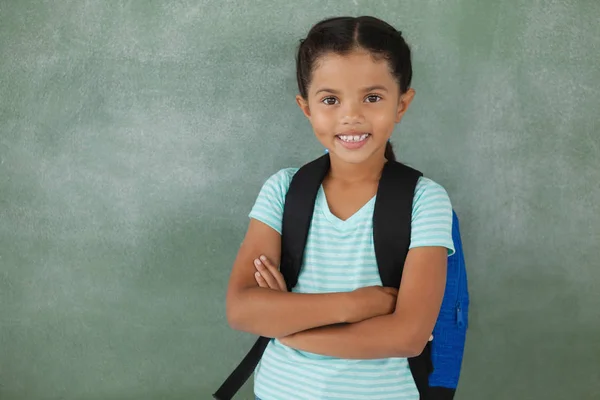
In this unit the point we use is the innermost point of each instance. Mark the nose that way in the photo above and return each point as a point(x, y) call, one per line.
point(352, 113)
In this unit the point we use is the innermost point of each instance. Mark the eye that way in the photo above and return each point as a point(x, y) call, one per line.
point(373, 98)
point(330, 101)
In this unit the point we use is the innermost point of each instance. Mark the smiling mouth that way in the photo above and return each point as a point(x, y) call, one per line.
point(353, 138)
point(354, 141)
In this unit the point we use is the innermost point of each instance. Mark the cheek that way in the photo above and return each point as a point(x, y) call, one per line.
point(323, 122)
point(383, 120)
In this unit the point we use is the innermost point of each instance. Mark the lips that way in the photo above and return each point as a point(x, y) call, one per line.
point(353, 140)
point(353, 137)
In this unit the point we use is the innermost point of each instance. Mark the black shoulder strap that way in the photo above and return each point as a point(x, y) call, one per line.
point(391, 235)
point(392, 220)
point(243, 371)
point(297, 215)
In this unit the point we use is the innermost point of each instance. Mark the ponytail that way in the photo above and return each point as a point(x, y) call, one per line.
point(389, 152)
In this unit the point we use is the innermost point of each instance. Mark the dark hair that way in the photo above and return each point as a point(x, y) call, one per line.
point(342, 35)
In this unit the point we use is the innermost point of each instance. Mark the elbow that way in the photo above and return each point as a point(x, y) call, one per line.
point(410, 337)
point(415, 349)
point(241, 317)
point(408, 350)
point(409, 345)
point(235, 313)
point(238, 320)
point(233, 318)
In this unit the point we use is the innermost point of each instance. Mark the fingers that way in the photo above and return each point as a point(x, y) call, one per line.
point(260, 280)
point(266, 275)
point(274, 273)
point(270, 274)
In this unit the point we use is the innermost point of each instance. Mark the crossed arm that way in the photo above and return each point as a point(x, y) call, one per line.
point(403, 333)
point(311, 322)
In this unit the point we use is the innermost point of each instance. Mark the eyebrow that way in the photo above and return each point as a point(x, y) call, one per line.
point(367, 89)
point(376, 87)
point(326, 90)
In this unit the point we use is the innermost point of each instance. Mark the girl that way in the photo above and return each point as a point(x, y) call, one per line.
point(339, 334)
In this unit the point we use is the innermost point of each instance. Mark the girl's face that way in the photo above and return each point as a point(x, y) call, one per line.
point(353, 103)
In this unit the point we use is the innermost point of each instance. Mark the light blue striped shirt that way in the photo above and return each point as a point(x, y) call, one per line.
point(339, 257)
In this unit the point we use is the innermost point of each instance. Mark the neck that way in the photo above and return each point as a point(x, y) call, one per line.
point(370, 170)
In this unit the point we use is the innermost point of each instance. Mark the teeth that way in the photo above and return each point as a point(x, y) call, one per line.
point(353, 138)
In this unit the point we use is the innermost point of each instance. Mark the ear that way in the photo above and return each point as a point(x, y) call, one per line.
point(404, 102)
point(303, 104)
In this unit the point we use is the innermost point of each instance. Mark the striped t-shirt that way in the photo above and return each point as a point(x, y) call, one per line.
point(340, 257)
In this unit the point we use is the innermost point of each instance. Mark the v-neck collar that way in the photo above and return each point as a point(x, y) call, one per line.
point(339, 223)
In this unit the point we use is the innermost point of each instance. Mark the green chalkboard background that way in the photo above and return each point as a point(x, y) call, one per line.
point(135, 135)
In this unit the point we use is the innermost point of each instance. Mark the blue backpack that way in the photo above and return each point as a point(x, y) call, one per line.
point(436, 370)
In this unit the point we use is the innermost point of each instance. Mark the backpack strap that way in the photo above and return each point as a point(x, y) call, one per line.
point(392, 220)
point(391, 235)
point(243, 371)
point(297, 215)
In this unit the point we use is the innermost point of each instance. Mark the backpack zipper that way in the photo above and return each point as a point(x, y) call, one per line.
point(460, 320)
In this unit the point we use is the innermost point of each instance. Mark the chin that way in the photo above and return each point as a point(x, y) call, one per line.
point(357, 157)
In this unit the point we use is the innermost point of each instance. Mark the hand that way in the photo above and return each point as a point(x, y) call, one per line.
point(268, 276)
point(371, 301)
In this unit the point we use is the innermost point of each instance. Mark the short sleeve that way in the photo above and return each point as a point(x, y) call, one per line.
point(431, 216)
point(268, 207)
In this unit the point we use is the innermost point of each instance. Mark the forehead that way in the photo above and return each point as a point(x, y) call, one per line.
point(356, 69)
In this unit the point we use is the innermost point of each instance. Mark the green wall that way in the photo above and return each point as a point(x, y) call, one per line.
point(135, 135)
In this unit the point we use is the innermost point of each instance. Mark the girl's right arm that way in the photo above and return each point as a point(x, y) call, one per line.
point(274, 313)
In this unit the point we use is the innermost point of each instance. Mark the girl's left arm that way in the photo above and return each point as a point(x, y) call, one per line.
point(405, 332)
